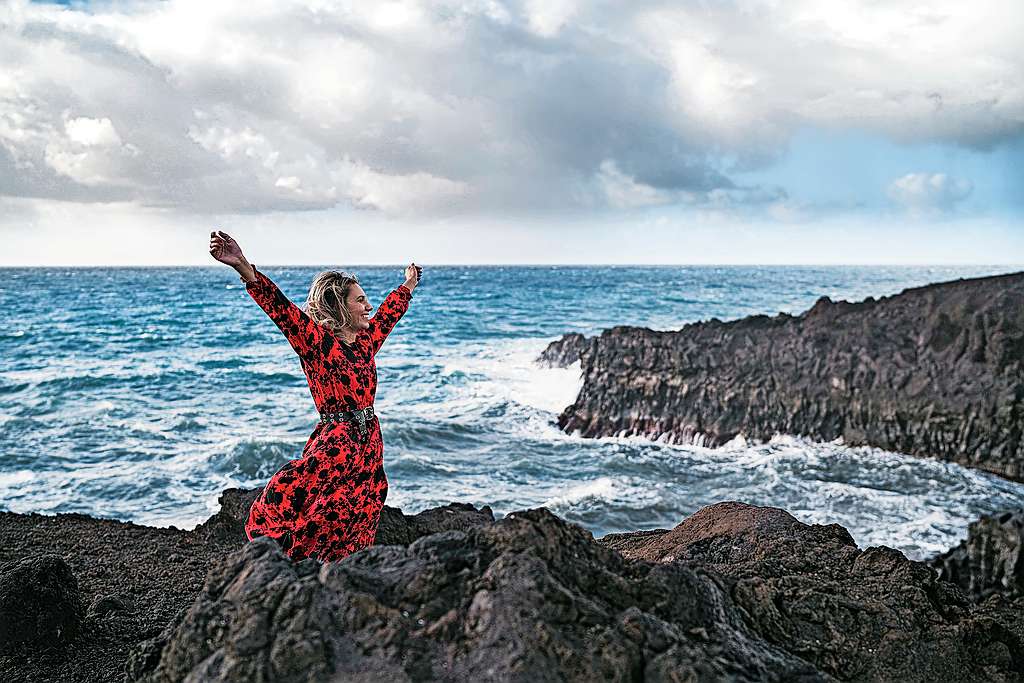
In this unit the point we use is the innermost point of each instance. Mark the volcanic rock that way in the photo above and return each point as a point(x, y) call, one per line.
point(140, 580)
point(934, 371)
point(990, 560)
point(735, 592)
point(527, 598)
point(40, 606)
point(856, 614)
point(565, 351)
point(227, 525)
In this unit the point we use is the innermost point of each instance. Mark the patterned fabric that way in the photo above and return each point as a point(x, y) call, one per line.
point(327, 503)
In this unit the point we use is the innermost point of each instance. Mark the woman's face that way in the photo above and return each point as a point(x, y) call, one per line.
point(359, 308)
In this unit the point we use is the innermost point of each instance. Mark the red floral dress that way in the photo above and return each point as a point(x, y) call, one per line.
point(327, 503)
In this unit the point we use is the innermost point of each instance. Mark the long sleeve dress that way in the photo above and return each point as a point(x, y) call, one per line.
point(327, 503)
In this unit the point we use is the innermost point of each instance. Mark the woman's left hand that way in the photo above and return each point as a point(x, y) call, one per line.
point(413, 273)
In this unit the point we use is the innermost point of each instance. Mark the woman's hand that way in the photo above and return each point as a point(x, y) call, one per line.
point(412, 276)
point(225, 249)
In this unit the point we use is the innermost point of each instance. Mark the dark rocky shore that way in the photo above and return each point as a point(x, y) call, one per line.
point(934, 371)
point(734, 592)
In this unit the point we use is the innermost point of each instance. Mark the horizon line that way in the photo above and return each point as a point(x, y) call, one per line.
point(542, 265)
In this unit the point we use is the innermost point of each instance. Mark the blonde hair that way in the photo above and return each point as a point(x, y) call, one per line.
point(326, 305)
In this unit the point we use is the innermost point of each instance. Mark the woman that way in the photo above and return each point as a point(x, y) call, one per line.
point(327, 503)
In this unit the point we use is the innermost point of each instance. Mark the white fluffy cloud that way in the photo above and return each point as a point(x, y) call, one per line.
point(445, 107)
point(929, 192)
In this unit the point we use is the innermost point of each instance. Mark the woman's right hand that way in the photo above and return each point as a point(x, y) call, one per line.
point(225, 249)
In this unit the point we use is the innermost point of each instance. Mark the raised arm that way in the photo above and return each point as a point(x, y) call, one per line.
point(393, 308)
point(388, 314)
point(302, 333)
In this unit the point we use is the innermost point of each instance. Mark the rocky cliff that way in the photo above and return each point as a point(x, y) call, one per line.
point(990, 560)
point(734, 592)
point(934, 371)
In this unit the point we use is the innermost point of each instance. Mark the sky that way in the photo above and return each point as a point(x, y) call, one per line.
point(535, 131)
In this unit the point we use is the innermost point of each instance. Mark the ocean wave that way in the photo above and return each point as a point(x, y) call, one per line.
point(254, 460)
point(13, 387)
point(602, 489)
point(407, 466)
point(219, 363)
point(188, 425)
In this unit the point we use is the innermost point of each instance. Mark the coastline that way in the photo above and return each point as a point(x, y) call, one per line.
point(142, 587)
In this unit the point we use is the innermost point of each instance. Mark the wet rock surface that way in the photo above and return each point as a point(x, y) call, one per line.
point(734, 592)
point(934, 371)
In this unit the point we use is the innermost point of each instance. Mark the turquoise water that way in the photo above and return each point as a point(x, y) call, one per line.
point(141, 393)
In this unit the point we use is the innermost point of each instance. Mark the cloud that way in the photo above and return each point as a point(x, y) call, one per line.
point(928, 193)
point(623, 191)
point(478, 106)
point(92, 132)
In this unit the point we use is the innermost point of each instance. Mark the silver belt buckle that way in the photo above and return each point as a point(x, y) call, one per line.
point(360, 417)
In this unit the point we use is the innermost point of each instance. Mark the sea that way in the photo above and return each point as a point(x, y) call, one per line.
point(140, 393)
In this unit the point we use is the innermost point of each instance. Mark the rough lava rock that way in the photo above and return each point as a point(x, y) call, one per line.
point(527, 598)
point(565, 351)
point(735, 592)
point(139, 581)
point(396, 528)
point(40, 606)
point(856, 614)
point(934, 371)
point(990, 560)
point(228, 523)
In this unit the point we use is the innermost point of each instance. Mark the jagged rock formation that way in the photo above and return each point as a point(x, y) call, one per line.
point(734, 592)
point(564, 352)
point(527, 598)
point(135, 580)
point(396, 528)
point(227, 525)
point(39, 603)
point(933, 371)
point(857, 615)
point(990, 560)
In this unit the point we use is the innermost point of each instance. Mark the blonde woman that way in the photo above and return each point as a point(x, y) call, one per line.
point(327, 503)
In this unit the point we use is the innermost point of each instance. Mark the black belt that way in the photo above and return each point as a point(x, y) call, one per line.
point(360, 417)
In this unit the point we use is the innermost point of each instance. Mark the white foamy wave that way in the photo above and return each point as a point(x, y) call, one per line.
point(506, 370)
point(12, 479)
point(605, 491)
point(602, 488)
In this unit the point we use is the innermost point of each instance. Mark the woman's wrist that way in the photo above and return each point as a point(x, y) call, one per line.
point(246, 271)
point(410, 285)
